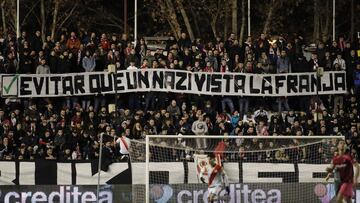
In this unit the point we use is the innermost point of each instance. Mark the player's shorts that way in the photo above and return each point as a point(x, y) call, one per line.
point(346, 189)
point(214, 190)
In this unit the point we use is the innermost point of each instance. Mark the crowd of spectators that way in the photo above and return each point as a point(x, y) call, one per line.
point(68, 128)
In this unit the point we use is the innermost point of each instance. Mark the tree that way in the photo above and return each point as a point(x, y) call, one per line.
point(186, 19)
point(3, 15)
point(325, 19)
point(43, 20)
point(167, 12)
point(316, 33)
point(226, 19)
point(243, 21)
point(274, 4)
point(234, 22)
point(321, 19)
point(8, 15)
point(213, 13)
point(195, 18)
point(214, 17)
point(55, 16)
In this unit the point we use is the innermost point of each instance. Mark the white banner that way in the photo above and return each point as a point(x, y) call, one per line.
point(85, 173)
point(176, 81)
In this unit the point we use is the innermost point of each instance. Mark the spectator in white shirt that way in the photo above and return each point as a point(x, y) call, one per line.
point(132, 66)
point(199, 127)
point(124, 143)
point(341, 62)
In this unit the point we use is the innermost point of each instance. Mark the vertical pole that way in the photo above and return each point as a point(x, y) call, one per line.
point(147, 157)
point(317, 95)
point(17, 19)
point(125, 16)
point(249, 26)
point(333, 16)
point(135, 23)
point(99, 168)
point(116, 99)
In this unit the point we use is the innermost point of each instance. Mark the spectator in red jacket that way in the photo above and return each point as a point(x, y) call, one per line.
point(104, 42)
point(73, 43)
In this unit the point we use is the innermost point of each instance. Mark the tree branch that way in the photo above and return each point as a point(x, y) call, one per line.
point(29, 12)
point(110, 17)
point(109, 24)
point(68, 16)
point(34, 14)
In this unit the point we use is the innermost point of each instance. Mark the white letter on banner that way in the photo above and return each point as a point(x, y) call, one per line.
point(63, 171)
point(8, 172)
point(27, 173)
point(85, 177)
point(175, 169)
point(251, 172)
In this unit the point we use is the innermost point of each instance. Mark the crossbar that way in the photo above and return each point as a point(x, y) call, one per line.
point(248, 137)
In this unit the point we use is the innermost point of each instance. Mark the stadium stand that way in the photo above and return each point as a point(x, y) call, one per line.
point(68, 128)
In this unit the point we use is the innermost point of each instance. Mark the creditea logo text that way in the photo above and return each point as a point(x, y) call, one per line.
point(239, 193)
point(66, 194)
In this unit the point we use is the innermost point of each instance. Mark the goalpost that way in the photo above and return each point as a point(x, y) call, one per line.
point(260, 168)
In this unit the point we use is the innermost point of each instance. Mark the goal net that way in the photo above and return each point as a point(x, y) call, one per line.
point(259, 168)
